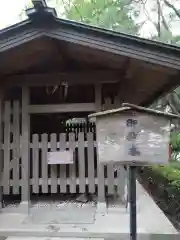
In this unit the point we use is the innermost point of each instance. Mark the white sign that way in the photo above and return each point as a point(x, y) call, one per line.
point(60, 157)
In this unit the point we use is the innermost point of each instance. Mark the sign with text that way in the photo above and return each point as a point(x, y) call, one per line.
point(60, 157)
point(133, 139)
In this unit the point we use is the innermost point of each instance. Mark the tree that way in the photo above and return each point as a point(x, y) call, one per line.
point(117, 15)
point(161, 16)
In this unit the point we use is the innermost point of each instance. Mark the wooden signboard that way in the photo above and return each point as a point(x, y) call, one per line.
point(133, 135)
point(60, 157)
point(128, 139)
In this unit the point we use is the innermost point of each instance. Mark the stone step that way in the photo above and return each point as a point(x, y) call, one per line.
point(126, 237)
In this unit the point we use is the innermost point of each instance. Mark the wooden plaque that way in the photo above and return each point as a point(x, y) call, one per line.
point(146, 143)
point(60, 157)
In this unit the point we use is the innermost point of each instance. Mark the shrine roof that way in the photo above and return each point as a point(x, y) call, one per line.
point(45, 46)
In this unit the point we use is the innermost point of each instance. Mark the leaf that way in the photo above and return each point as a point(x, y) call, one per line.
point(111, 14)
point(176, 40)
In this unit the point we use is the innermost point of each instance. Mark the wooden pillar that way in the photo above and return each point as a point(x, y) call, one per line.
point(121, 174)
point(101, 180)
point(98, 96)
point(1, 140)
point(25, 198)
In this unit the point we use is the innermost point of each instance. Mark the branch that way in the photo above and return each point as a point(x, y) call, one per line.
point(147, 15)
point(140, 1)
point(174, 92)
point(171, 104)
point(159, 19)
point(163, 18)
point(64, 4)
point(76, 8)
point(172, 7)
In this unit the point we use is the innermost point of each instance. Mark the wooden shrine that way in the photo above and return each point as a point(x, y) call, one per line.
point(53, 71)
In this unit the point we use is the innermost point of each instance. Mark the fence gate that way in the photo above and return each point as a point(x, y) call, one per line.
point(84, 175)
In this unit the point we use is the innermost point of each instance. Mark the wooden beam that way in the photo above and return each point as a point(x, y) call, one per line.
point(171, 84)
point(76, 182)
point(50, 79)
point(62, 108)
point(132, 47)
point(98, 96)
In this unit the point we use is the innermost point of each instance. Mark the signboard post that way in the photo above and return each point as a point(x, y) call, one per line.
point(132, 199)
point(133, 136)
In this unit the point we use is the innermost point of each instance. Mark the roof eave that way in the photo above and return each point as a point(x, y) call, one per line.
point(132, 107)
point(106, 40)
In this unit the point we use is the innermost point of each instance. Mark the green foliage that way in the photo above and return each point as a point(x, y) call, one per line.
point(169, 178)
point(175, 164)
point(169, 172)
point(175, 141)
point(164, 184)
point(176, 40)
point(117, 15)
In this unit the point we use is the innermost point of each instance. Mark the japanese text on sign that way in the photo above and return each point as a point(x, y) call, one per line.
point(131, 137)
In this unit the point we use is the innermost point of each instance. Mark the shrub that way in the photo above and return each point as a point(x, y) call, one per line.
point(164, 184)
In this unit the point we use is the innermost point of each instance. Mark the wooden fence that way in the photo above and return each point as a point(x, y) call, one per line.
point(84, 175)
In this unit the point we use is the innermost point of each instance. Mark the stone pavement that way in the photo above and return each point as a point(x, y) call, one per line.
point(110, 222)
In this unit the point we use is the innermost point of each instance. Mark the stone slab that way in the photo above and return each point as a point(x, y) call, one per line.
point(50, 238)
point(152, 224)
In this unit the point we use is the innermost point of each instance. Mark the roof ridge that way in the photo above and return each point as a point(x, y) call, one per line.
point(40, 10)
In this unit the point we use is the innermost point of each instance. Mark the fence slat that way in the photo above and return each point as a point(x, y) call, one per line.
point(107, 104)
point(16, 146)
point(63, 181)
point(1, 152)
point(7, 148)
point(44, 140)
point(25, 150)
point(121, 181)
point(53, 166)
point(91, 176)
point(101, 181)
point(35, 164)
point(81, 162)
point(110, 178)
point(72, 167)
point(117, 102)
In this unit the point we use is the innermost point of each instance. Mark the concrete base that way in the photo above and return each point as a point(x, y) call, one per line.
point(49, 238)
point(101, 208)
point(1, 200)
point(152, 224)
point(24, 207)
point(125, 237)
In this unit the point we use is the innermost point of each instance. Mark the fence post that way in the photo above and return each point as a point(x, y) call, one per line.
point(101, 208)
point(25, 198)
point(6, 168)
point(1, 151)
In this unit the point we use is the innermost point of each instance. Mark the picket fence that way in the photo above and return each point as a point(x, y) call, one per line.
point(84, 175)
